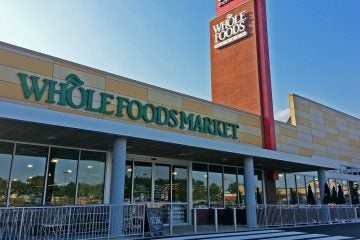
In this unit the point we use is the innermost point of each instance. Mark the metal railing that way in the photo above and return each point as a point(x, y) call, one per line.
point(71, 222)
point(231, 219)
point(292, 215)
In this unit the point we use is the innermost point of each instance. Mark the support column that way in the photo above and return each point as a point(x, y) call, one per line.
point(322, 181)
point(117, 186)
point(250, 192)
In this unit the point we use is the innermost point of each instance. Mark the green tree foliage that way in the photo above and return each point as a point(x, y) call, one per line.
point(258, 196)
point(355, 196)
point(341, 198)
point(333, 198)
point(310, 196)
point(327, 194)
point(293, 196)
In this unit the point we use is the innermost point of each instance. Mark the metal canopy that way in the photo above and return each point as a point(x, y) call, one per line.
point(30, 132)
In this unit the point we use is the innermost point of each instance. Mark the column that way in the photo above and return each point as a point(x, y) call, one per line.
point(117, 186)
point(322, 181)
point(250, 191)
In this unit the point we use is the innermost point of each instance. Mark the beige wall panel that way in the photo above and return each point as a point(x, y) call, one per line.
point(195, 106)
point(225, 114)
point(10, 74)
point(27, 63)
point(250, 139)
point(285, 131)
point(301, 107)
point(289, 141)
point(252, 121)
point(177, 130)
point(92, 80)
point(331, 123)
point(162, 98)
point(319, 140)
point(306, 152)
point(249, 130)
point(69, 110)
point(289, 148)
point(303, 122)
point(120, 87)
point(11, 90)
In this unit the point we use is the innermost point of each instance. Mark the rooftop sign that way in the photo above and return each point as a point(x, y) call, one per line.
point(230, 30)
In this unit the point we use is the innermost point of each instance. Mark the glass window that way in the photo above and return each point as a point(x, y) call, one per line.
point(301, 187)
point(128, 181)
point(199, 185)
point(27, 180)
point(310, 181)
point(281, 190)
point(345, 188)
point(6, 152)
point(230, 186)
point(216, 191)
point(142, 182)
point(259, 195)
point(91, 176)
point(291, 189)
point(162, 183)
point(62, 169)
point(241, 186)
point(179, 187)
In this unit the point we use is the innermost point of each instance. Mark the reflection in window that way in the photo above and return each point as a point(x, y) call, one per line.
point(216, 191)
point(301, 187)
point(230, 186)
point(281, 189)
point(199, 185)
point(311, 181)
point(345, 188)
point(259, 195)
point(91, 178)
point(128, 181)
point(62, 176)
point(142, 182)
point(27, 180)
point(241, 186)
point(162, 183)
point(291, 189)
point(179, 187)
point(6, 151)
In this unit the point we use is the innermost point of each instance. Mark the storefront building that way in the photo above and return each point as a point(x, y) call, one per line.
point(74, 135)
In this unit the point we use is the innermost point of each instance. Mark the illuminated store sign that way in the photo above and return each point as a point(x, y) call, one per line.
point(72, 93)
point(230, 30)
point(221, 3)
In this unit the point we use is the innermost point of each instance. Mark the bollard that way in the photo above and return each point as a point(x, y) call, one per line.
point(234, 217)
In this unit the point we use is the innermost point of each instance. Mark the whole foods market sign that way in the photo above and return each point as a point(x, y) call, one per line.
point(63, 94)
point(230, 30)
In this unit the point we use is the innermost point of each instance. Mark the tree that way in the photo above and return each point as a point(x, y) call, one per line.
point(310, 196)
point(258, 196)
point(340, 198)
point(327, 194)
point(355, 196)
point(333, 198)
point(293, 196)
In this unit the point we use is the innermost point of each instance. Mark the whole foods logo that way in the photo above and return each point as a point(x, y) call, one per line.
point(230, 30)
point(223, 2)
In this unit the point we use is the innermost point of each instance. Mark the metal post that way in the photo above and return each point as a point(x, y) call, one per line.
point(195, 221)
point(294, 216)
point(250, 191)
point(171, 221)
point(216, 220)
point(118, 184)
point(322, 181)
point(281, 221)
point(22, 222)
point(109, 227)
point(69, 224)
point(235, 220)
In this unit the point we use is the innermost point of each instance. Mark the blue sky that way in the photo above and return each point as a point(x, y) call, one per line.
point(314, 45)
